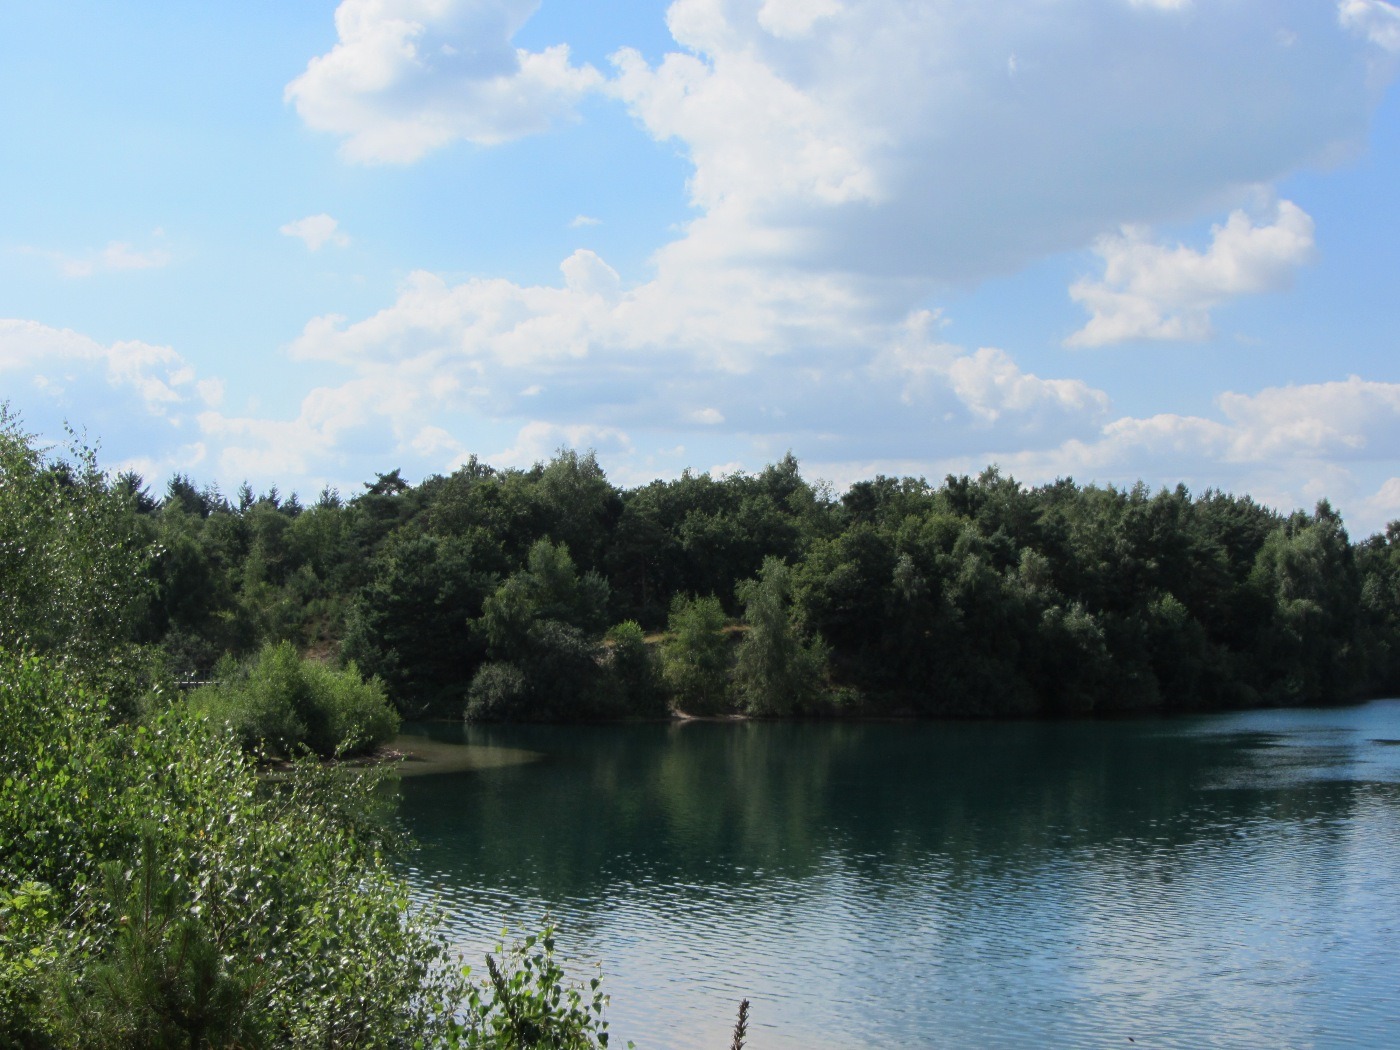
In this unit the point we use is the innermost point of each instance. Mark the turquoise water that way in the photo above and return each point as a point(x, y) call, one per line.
point(1229, 880)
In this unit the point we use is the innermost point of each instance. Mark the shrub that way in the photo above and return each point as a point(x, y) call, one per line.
point(281, 703)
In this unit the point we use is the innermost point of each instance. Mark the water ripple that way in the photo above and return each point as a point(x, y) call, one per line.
point(1187, 884)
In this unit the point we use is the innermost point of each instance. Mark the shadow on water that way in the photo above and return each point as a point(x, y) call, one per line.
point(606, 806)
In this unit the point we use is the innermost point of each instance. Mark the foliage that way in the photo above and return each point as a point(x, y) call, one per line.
point(973, 596)
point(696, 655)
point(29, 939)
point(498, 692)
point(280, 703)
point(72, 562)
point(410, 621)
point(526, 1002)
point(635, 686)
point(195, 896)
point(543, 622)
point(777, 669)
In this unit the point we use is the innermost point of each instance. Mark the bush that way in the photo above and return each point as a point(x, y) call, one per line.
point(281, 703)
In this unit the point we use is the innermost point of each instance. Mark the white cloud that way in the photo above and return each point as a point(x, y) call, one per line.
point(1384, 504)
point(374, 415)
point(1352, 419)
point(1286, 446)
point(993, 386)
point(755, 363)
point(538, 441)
point(849, 158)
point(885, 142)
point(57, 359)
point(579, 221)
point(434, 441)
point(988, 384)
point(211, 391)
point(409, 76)
point(794, 18)
point(1155, 291)
point(1377, 20)
point(316, 231)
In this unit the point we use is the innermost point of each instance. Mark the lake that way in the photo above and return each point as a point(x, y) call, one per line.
point(1226, 880)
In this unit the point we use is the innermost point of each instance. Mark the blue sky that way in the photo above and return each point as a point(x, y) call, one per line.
point(301, 243)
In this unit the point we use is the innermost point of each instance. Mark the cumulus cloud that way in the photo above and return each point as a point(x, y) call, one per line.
point(850, 158)
point(885, 141)
point(1384, 504)
point(761, 364)
point(1166, 292)
point(409, 76)
point(316, 231)
point(1287, 446)
point(57, 359)
point(987, 385)
point(794, 18)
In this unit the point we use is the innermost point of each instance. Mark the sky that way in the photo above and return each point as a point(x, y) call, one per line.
point(302, 243)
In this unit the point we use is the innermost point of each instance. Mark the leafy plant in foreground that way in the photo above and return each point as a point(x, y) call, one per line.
point(260, 909)
point(527, 1003)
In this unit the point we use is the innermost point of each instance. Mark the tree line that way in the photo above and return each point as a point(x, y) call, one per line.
point(550, 593)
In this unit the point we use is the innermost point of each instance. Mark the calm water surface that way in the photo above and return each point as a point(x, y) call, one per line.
point(1230, 880)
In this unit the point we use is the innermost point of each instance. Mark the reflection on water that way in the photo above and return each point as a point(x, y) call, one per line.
point(1222, 881)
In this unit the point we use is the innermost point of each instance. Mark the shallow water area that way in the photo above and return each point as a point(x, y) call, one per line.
point(1227, 880)
point(421, 754)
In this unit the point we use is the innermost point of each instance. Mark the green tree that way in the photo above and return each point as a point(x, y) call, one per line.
point(186, 895)
point(74, 563)
point(1309, 648)
point(695, 657)
point(777, 668)
point(634, 685)
point(410, 624)
point(544, 621)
